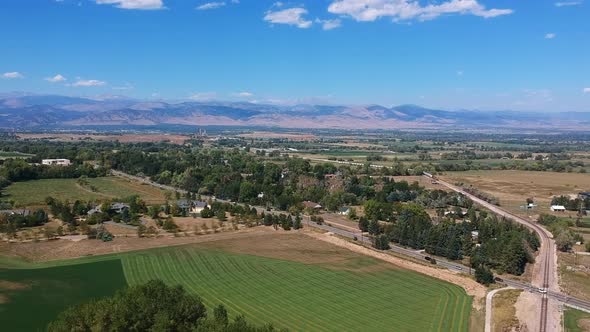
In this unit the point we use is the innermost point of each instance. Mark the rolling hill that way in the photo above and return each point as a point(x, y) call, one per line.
point(28, 111)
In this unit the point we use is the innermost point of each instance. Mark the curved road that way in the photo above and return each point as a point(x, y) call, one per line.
point(547, 276)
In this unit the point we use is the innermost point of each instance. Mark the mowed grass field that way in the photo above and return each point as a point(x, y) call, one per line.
point(307, 297)
point(576, 320)
point(315, 287)
point(30, 298)
point(33, 193)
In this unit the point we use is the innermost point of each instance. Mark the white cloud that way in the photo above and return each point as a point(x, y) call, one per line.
point(329, 24)
point(399, 10)
point(55, 79)
point(291, 16)
point(133, 4)
point(203, 96)
point(12, 75)
point(586, 90)
point(243, 94)
point(210, 5)
point(459, 73)
point(550, 35)
point(88, 83)
point(567, 3)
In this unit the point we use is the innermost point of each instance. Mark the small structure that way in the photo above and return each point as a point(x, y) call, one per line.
point(584, 195)
point(116, 208)
point(190, 206)
point(56, 162)
point(557, 208)
point(94, 210)
point(19, 212)
point(119, 207)
point(474, 235)
point(344, 211)
point(311, 205)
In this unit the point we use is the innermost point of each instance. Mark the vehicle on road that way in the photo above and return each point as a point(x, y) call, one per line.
point(427, 258)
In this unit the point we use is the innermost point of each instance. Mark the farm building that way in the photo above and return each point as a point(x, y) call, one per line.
point(344, 211)
point(557, 208)
point(56, 162)
point(311, 205)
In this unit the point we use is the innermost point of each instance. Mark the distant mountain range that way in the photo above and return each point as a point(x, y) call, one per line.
point(34, 112)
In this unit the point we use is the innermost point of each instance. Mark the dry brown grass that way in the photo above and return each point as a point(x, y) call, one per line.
point(574, 273)
point(504, 312)
point(64, 249)
point(296, 246)
point(127, 138)
point(514, 187)
point(198, 224)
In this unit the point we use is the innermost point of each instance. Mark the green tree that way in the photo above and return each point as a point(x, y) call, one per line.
point(364, 224)
point(381, 242)
point(484, 275)
point(374, 228)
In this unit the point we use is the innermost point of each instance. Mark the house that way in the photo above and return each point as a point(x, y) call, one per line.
point(311, 205)
point(190, 206)
point(20, 212)
point(94, 210)
point(117, 208)
point(344, 211)
point(557, 208)
point(56, 162)
point(584, 195)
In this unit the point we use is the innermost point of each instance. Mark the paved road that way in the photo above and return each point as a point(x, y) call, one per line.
point(568, 300)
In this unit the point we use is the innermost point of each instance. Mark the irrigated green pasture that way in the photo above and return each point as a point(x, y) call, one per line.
point(32, 193)
point(358, 296)
point(30, 298)
point(353, 293)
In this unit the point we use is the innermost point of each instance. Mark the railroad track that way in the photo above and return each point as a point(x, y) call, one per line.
point(545, 299)
point(545, 240)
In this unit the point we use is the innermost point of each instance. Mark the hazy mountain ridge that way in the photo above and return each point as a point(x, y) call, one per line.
point(27, 111)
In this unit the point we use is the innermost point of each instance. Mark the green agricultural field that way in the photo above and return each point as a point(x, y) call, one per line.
point(362, 294)
point(8, 155)
point(30, 298)
point(307, 297)
point(572, 318)
point(32, 193)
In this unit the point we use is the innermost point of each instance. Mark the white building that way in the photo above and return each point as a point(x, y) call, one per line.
point(56, 162)
point(557, 208)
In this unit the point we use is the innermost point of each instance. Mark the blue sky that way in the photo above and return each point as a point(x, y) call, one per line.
point(451, 54)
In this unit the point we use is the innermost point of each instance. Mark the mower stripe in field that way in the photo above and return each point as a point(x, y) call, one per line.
point(305, 296)
point(246, 308)
point(288, 309)
point(251, 284)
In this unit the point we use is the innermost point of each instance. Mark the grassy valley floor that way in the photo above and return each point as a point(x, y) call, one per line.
point(291, 280)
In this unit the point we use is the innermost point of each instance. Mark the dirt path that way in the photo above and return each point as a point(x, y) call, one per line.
point(469, 285)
